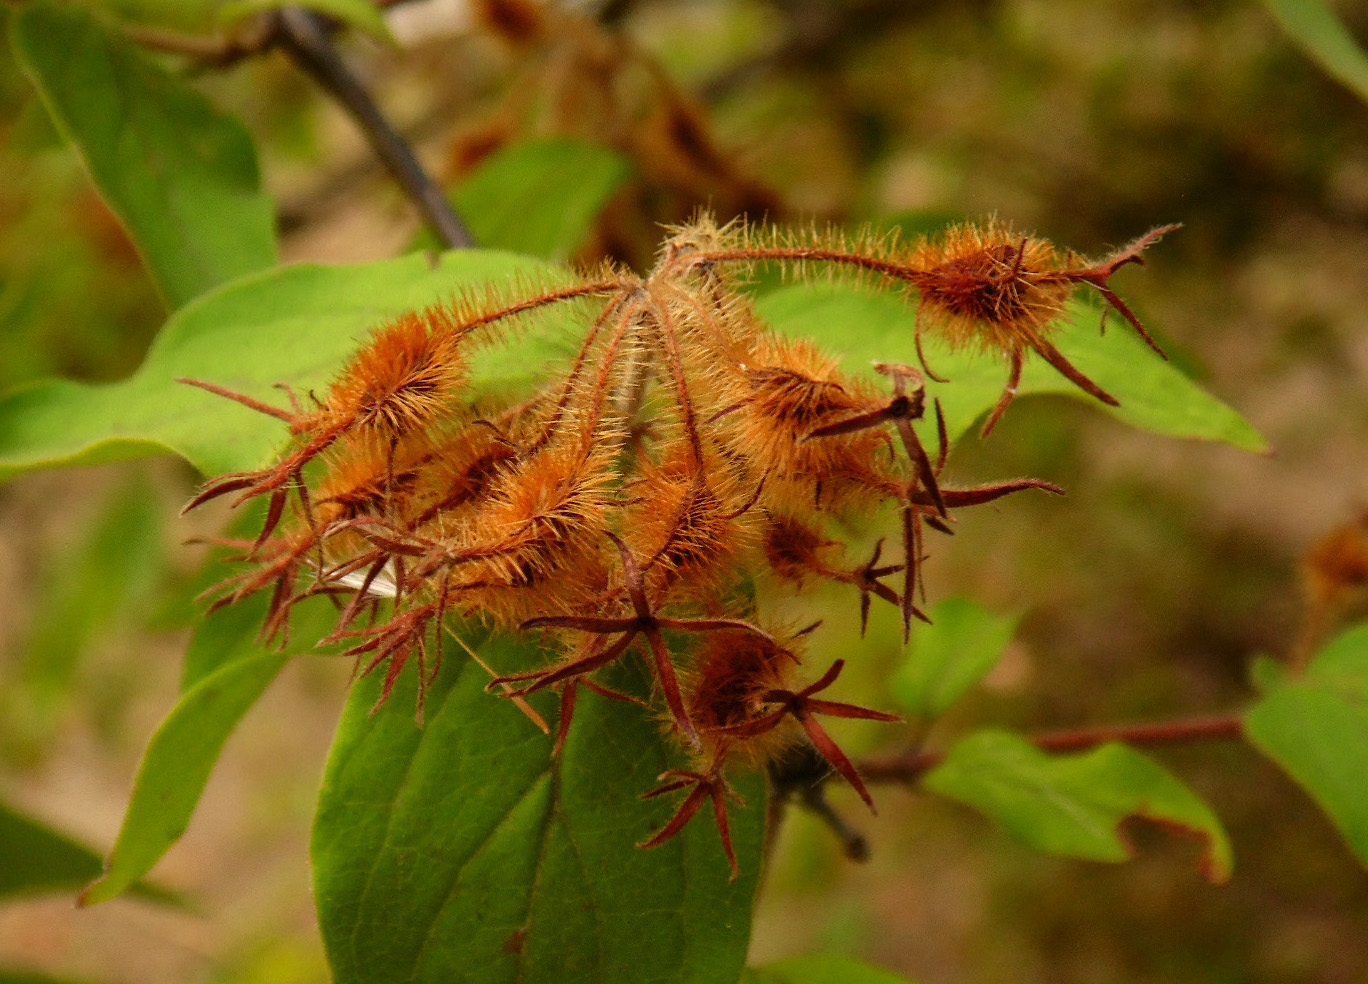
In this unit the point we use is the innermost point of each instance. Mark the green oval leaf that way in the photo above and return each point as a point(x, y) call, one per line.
point(1074, 804)
point(944, 659)
point(865, 326)
point(462, 851)
point(181, 175)
point(176, 766)
point(294, 325)
point(1315, 727)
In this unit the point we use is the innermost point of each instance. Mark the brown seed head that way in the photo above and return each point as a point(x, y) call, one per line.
point(404, 380)
point(734, 671)
point(988, 286)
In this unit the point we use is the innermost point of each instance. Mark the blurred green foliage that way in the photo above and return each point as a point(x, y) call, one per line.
point(1148, 592)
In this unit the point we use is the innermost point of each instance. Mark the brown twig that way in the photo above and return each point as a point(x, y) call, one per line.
point(305, 36)
point(254, 37)
point(909, 767)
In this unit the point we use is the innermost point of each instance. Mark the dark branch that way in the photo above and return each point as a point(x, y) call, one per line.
point(305, 37)
point(908, 768)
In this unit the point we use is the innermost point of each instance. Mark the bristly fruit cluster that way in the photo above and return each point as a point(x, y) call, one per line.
point(685, 451)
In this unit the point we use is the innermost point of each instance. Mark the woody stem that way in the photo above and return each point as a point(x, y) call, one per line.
point(909, 767)
point(305, 37)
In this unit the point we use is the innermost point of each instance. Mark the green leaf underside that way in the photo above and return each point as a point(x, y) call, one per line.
point(819, 969)
point(180, 175)
point(540, 197)
point(295, 325)
point(1315, 727)
point(460, 851)
point(176, 766)
point(1074, 804)
point(1312, 24)
point(866, 326)
point(946, 658)
point(360, 14)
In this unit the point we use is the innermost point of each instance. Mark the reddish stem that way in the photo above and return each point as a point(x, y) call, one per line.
point(909, 768)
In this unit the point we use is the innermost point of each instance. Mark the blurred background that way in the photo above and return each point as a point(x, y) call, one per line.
point(1145, 593)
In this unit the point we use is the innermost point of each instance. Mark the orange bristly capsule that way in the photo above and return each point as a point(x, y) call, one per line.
point(998, 290)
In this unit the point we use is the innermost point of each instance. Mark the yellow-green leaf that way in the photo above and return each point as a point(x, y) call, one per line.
point(944, 659)
point(864, 326)
point(181, 175)
point(293, 325)
point(176, 766)
point(1075, 804)
point(1315, 726)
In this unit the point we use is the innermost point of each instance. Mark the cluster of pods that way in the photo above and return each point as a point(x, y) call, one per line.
point(684, 453)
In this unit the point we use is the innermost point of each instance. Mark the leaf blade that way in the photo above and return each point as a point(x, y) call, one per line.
point(1315, 728)
point(1313, 26)
point(944, 659)
point(1074, 804)
point(292, 325)
point(180, 175)
point(175, 768)
point(534, 876)
point(1155, 395)
point(539, 197)
point(35, 858)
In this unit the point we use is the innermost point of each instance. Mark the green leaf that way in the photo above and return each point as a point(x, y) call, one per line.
point(1315, 727)
point(223, 636)
point(176, 766)
point(233, 633)
point(1266, 672)
point(819, 969)
point(35, 858)
point(1074, 804)
point(226, 669)
point(181, 175)
point(294, 325)
point(85, 591)
point(865, 326)
point(461, 851)
point(1312, 24)
point(360, 14)
point(540, 197)
point(944, 659)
